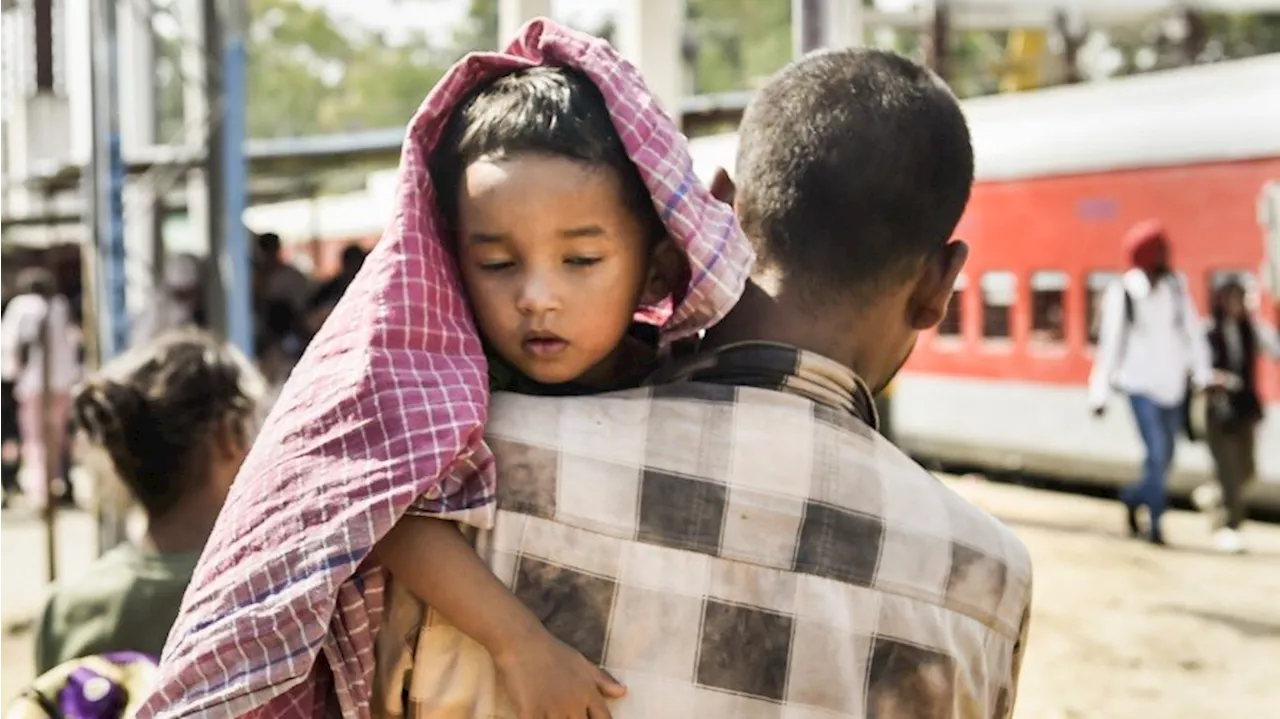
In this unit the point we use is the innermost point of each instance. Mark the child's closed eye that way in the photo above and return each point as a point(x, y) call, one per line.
point(582, 261)
point(496, 265)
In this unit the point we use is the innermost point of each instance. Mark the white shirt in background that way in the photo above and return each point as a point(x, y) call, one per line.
point(21, 325)
point(1153, 355)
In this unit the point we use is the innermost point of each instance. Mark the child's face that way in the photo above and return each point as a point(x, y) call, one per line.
point(553, 261)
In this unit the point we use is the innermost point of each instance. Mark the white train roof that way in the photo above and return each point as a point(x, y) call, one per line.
point(1223, 111)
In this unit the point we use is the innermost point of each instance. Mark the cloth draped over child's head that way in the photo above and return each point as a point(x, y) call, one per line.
point(389, 402)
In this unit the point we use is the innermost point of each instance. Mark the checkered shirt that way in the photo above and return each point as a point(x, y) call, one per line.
point(387, 405)
point(734, 543)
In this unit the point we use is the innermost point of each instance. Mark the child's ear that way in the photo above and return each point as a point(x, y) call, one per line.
point(667, 272)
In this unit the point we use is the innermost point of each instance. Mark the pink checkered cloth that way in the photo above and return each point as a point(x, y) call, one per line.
point(389, 404)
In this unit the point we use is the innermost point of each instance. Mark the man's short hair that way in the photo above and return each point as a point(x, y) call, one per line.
point(853, 165)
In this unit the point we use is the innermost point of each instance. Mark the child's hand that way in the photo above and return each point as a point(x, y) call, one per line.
point(547, 679)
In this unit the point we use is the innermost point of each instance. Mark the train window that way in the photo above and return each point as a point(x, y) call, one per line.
point(952, 323)
point(1097, 284)
point(999, 290)
point(1048, 297)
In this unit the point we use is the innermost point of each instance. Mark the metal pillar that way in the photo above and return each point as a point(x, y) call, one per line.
point(139, 123)
point(108, 182)
point(651, 35)
point(826, 23)
point(939, 48)
point(514, 13)
point(197, 123)
point(806, 32)
point(52, 449)
point(232, 260)
point(1072, 35)
point(204, 115)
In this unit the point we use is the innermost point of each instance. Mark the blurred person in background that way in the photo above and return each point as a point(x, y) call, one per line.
point(10, 440)
point(281, 294)
point(1151, 338)
point(1233, 411)
point(175, 417)
point(327, 296)
point(277, 283)
point(41, 428)
point(177, 303)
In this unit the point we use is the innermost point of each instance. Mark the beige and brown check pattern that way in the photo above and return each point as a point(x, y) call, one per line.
point(731, 550)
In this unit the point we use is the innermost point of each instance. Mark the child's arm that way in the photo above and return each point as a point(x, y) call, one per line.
point(543, 676)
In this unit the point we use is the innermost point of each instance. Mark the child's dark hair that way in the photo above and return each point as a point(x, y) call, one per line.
point(550, 110)
point(154, 409)
point(853, 164)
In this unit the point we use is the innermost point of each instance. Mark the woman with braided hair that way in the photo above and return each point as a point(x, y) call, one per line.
point(175, 418)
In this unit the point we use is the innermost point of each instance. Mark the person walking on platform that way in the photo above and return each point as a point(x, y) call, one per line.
point(177, 303)
point(1234, 411)
point(1151, 339)
point(39, 309)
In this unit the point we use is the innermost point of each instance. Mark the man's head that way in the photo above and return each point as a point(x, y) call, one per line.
point(853, 169)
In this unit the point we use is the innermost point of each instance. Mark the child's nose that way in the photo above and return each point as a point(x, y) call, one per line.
point(537, 296)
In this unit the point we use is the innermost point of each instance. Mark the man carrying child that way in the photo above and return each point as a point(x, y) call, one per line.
point(731, 537)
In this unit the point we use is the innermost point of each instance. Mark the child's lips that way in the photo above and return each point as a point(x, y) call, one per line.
point(544, 344)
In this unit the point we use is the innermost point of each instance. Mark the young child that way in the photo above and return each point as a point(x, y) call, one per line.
point(558, 244)
point(545, 203)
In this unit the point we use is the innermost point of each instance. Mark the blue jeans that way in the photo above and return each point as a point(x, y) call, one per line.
point(1158, 426)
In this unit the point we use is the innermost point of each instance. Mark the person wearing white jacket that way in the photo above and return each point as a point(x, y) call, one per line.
point(1151, 342)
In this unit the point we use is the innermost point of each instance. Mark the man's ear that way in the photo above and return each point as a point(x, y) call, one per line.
point(668, 273)
point(936, 284)
point(722, 187)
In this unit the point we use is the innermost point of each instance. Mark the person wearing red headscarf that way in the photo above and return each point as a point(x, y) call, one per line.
point(1151, 339)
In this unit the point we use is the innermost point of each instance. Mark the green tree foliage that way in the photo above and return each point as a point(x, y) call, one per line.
point(312, 73)
point(480, 30)
point(309, 75)
point(735, 44)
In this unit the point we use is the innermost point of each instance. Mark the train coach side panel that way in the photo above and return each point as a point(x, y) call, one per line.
point(1021, 396)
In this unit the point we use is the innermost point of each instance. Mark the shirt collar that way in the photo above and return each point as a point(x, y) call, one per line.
point(779, 367)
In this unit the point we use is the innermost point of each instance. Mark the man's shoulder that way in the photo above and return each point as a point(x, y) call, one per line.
point(989, 569)
point(779, 443)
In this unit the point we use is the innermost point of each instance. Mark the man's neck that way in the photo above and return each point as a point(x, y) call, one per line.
point(762, 317)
